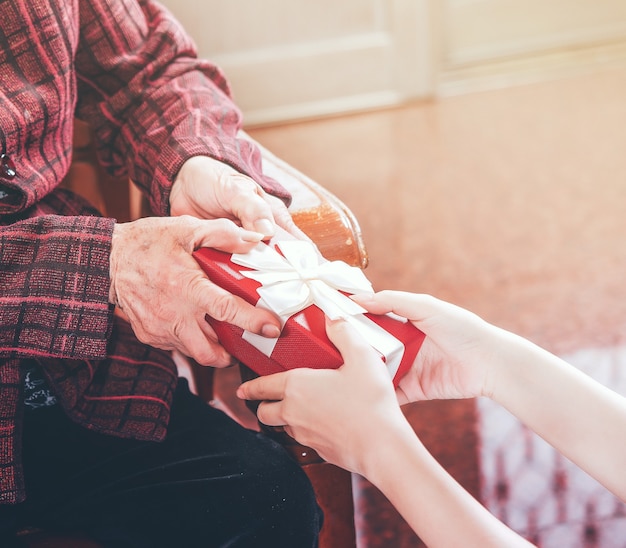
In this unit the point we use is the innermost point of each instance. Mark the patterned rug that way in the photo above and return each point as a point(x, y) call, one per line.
point(539, 493)
point(518, 476)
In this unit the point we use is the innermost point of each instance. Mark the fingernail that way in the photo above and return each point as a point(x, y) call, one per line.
point(251, 236)
point(270, 331)
point(265, 227)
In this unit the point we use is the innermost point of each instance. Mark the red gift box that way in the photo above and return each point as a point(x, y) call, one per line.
point(303, 341)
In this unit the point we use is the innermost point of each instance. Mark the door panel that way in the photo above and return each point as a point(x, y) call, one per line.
point(290, 59)
point(497, 43)
point(483, 30)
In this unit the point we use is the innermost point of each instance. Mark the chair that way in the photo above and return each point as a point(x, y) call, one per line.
point(335, 230)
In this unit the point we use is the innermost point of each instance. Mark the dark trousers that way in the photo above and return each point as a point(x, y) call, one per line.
point(210, 483)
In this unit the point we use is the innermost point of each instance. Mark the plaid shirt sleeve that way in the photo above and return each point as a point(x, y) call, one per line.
point(54, 284)
point(152, 103)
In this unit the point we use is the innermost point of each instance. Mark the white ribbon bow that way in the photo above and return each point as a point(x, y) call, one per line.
point(299, 278)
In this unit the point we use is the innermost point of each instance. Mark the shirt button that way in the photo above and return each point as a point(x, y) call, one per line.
point(7, 167)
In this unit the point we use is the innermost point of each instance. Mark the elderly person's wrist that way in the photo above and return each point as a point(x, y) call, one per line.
point(178, 199)
point(116, 238)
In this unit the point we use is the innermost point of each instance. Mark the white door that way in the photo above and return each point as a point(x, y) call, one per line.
point(494, 43)
point(289, 59)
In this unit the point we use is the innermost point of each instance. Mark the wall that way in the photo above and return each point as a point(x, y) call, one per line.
point(293, 59)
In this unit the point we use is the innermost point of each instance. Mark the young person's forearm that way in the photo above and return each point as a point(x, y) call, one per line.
point(436, 507)
point(578, 416)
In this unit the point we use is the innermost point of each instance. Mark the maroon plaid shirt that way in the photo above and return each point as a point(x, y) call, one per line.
point(129, 70)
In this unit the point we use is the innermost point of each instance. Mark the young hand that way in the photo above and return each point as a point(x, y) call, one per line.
point(334, 411)
point(458, 356)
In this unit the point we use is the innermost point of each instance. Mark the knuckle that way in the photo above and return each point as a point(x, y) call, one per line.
point(244, 188)
point(233, 183)
point(261, 413)
point(280, 211)
point(206, 352)
point(361, 344)
point(294, 379)
point(224, 308)
point(347, 332)
point(289, 414)
point(207, 356)
point(243, 181)
point(194, 286)
point(177, 328)
point(223, 225)
point(218, 230)
point(142, 336)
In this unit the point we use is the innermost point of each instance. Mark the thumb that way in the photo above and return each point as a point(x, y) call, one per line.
point(351, 345)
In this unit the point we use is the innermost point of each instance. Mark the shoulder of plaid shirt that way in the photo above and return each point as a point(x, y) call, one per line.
point(129, 69)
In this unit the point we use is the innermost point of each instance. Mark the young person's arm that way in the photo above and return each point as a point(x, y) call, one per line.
point(581, 418)
point(352, 418)
point(436, 507)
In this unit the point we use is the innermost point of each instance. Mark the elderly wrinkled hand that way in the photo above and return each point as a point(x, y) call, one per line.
point(162, 290)
point(209, 189)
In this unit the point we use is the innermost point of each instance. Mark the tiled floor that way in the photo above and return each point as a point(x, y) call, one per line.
point(511, 203)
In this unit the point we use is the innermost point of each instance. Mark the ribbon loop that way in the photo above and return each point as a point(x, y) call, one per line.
point(297, 277)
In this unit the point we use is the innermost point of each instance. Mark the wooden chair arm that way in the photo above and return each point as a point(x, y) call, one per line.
point(318, 212)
